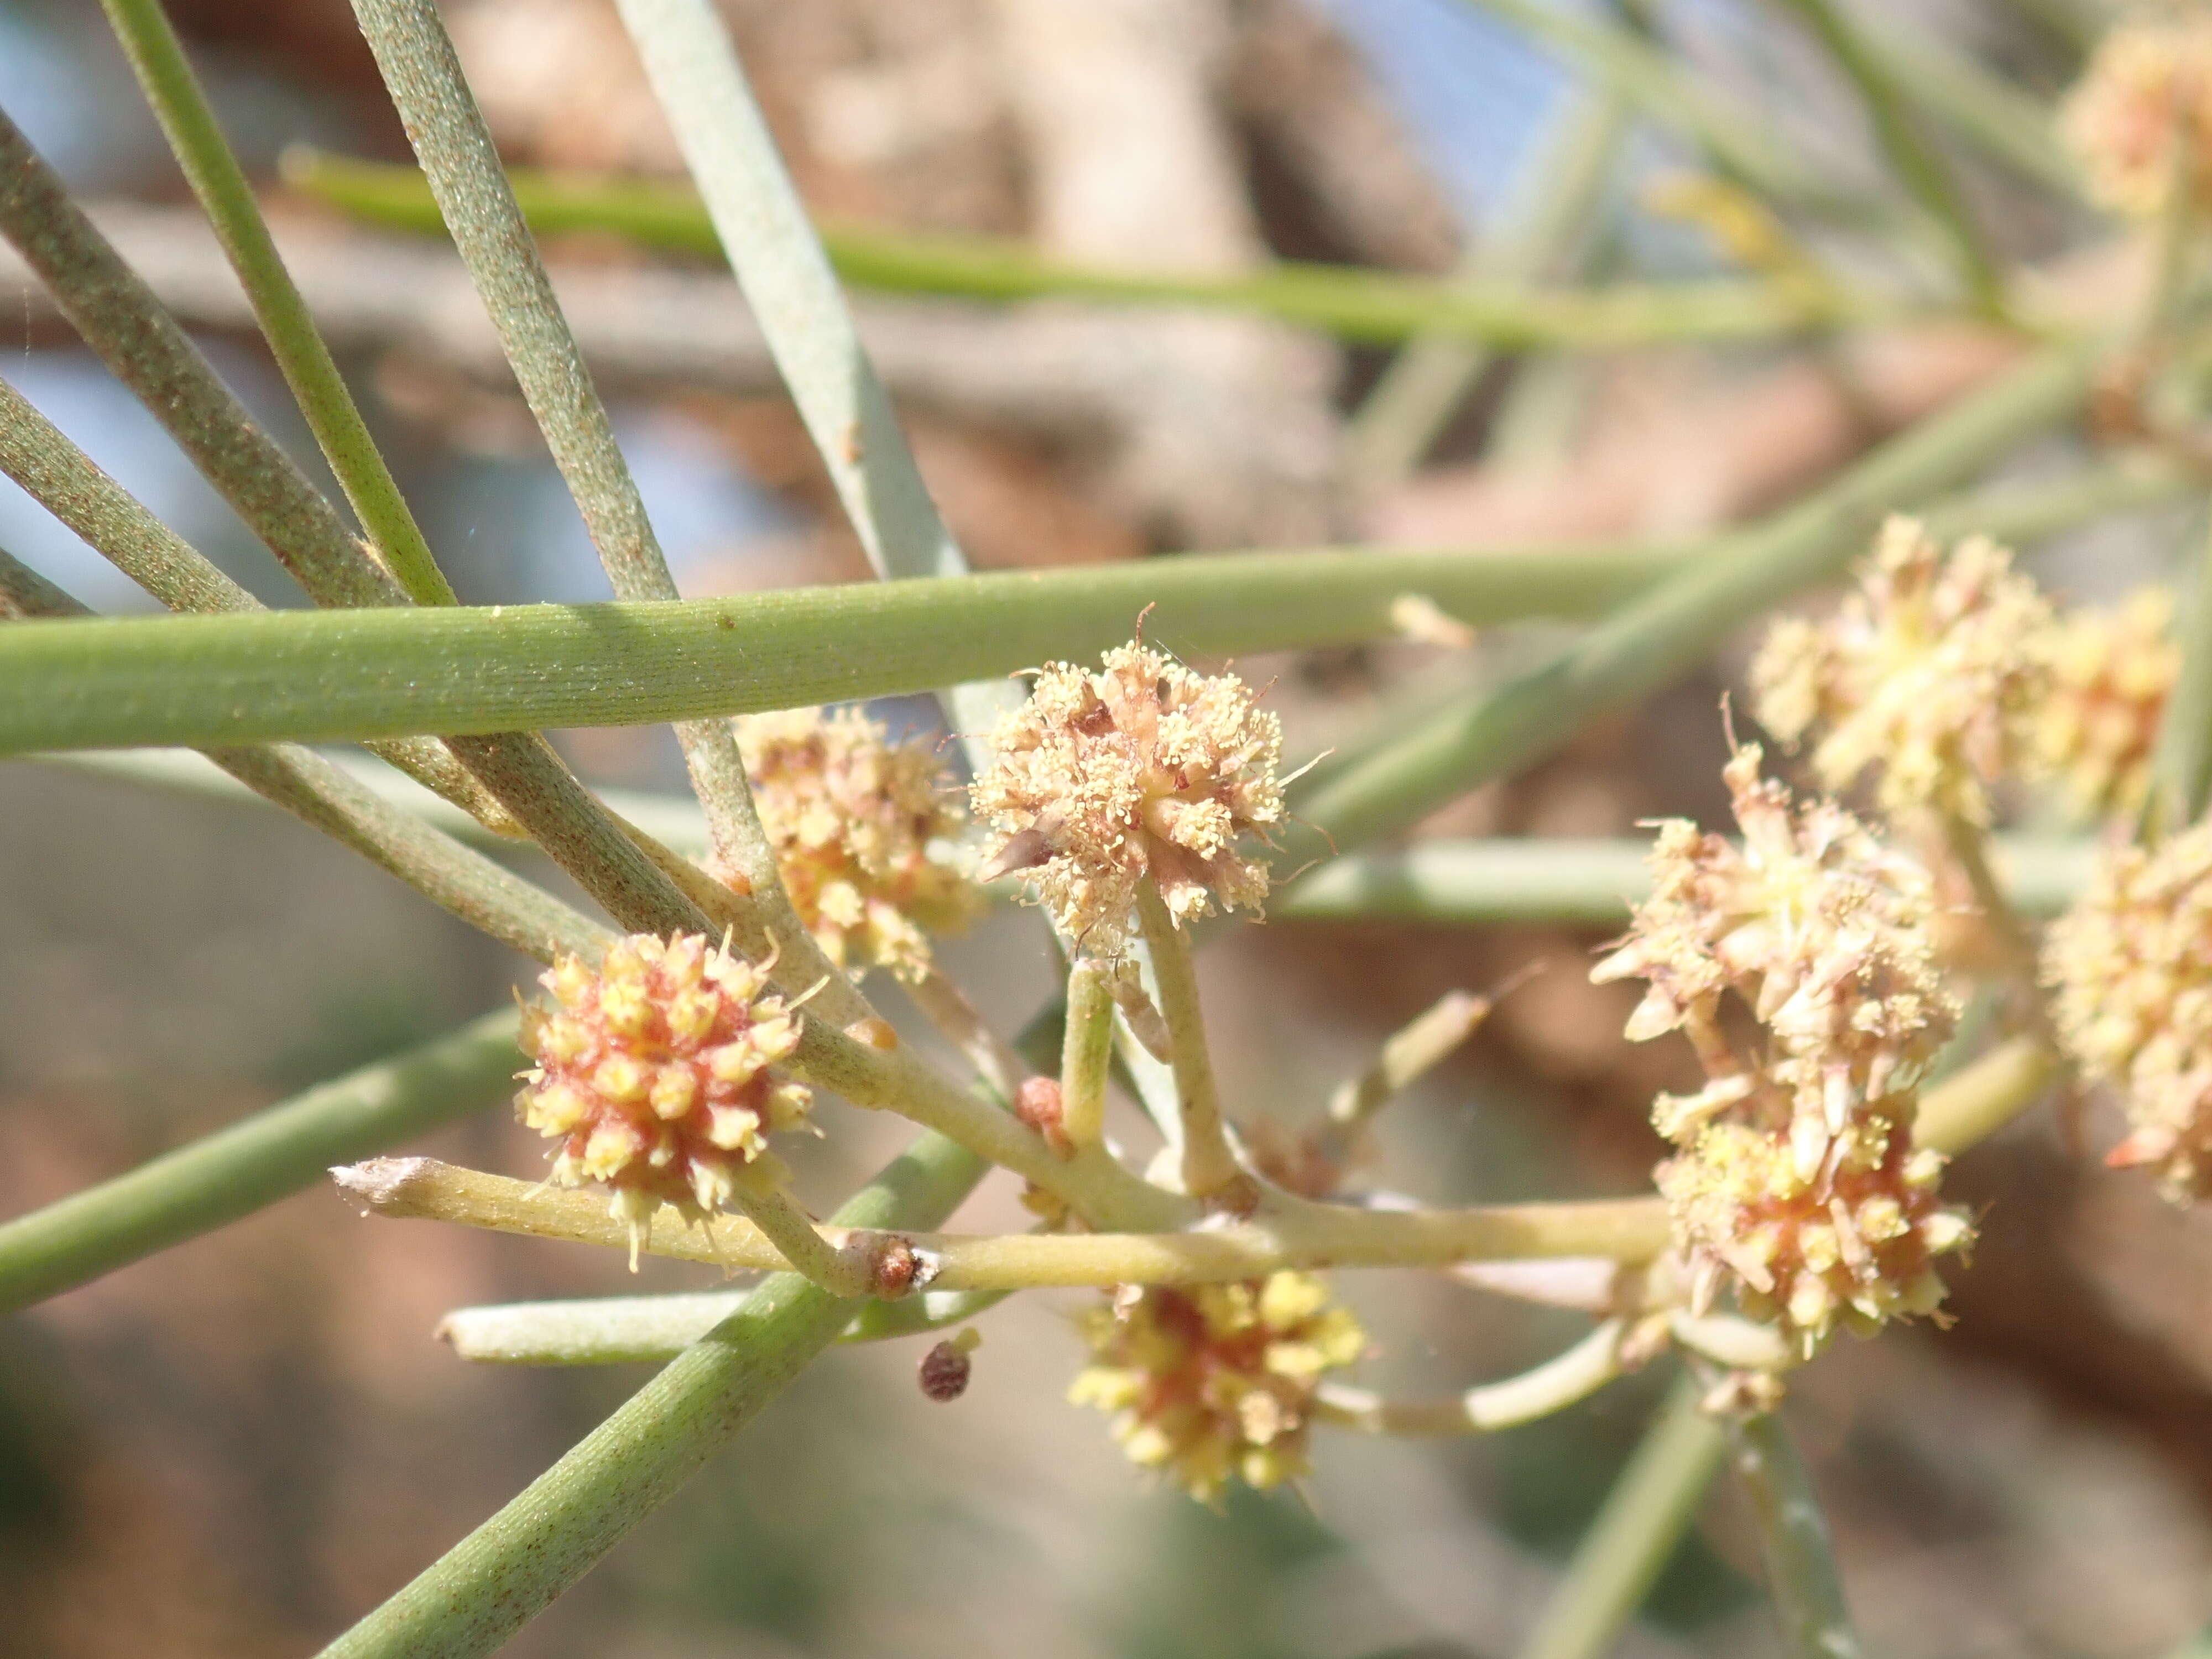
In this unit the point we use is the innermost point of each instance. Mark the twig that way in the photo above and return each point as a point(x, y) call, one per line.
point(1558, 1382)
point(1801, 1563)
point(1086, 1054)
point(961, 1024)
point(1208, 1164)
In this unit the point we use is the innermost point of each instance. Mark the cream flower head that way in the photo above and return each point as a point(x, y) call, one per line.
point(2112, 670)
point(2131, 965)
point(851, 817)
point(2147, 89)
point(1797, 1178)
point(1216, 1381)
point(1145, 771)
point(1927, 675)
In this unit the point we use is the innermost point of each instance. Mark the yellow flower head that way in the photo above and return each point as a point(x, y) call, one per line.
point(2130, 963)
point(1146, 771)
point(2142, 109)
point(2111, 671)
point(1929, 674)
point(652, 1074)
point(1797, 1178)
point(851, 817)
point(1216, 1381)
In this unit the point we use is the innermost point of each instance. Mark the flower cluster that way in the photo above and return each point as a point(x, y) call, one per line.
point(1216, 1380)
point(2130, 965)
point(851, 817)
point(1796, 1176)
point(2144, 110)
point(2111, 672)
point(1145, 771)
point(1929, 674)
point(652, 1074)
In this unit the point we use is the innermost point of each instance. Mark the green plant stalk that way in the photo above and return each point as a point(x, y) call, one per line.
point(1553, 210)
point(1557, 1383)
point(1668, 631)
point(1369, 306)
point(463, 882)
point(510, 1568)
point(166, 78)
point(1635, 1535)
point(65, 480)
point(2181, 761)
point(616, 1330)
point(123, 682)
point(226, 1175)
point(1913, 159)
point(1588, 880)
point(461, 164)
point(1208, 1164)
point(1086, 1054)
point(1793, 1535)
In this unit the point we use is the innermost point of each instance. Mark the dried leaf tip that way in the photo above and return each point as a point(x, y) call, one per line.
point(858, 824)
point(1145, 771)
point(1216, 1381)
point(2130, 967)
point(1928, 675)
point(654, 1074)
point(1796, 1180)
point(2142, 115)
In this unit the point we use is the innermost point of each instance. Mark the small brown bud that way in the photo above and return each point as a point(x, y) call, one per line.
point(892, 1265)
point(945, 1369)
point(1037, 1103)
point(875, 1032)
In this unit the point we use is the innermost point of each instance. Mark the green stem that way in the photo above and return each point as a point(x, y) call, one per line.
point(1375, 308)
point(217, 178)
point(226, 1175)
point(126, 681)
point(1635, 1535)
point(1915, 162)
point(513, 1567)
point(461, 163)
point(1558, 1382)
point(1086, 1053)
point(1664, 632)
point(1208, 1165)
point(1979, 104)
point(1793, 1533)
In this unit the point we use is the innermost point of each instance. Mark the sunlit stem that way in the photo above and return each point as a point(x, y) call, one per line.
point(1208, 1165)
point(837, 1270)
point(1579, 1372)
point(1086, 1052)
point(1801, 1563)
point(947, 1006)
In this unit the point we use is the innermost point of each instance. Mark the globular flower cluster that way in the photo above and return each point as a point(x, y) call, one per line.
point(654, 1074)
point(1797, 1178)
point(2131, 965)
point(1216, 1381)
point(1147, 770)
point(2111, 672)
point(2144, 109)
point(1928, 675)
point(851, 817)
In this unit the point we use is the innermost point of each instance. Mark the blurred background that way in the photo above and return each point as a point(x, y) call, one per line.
point(237, 1447)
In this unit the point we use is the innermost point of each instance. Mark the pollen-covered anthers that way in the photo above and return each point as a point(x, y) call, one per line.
point(2142, 115)
point(2130, 963)
point(653, 1075)
point(1928, 675)
point(1146, 769)
point(1211, 1382)
point(1796, 1179)
point(851, 816)
point(2111, 671)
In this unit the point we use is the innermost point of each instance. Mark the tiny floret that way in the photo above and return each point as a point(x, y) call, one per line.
point(2111, 671)
point(2142, 113)
point(1213, 1382)
point(1927, 675)
point(1146, 771)
point(654, 1074)
point(1795, 1179)
point(852, 819)
point(2131, 965)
